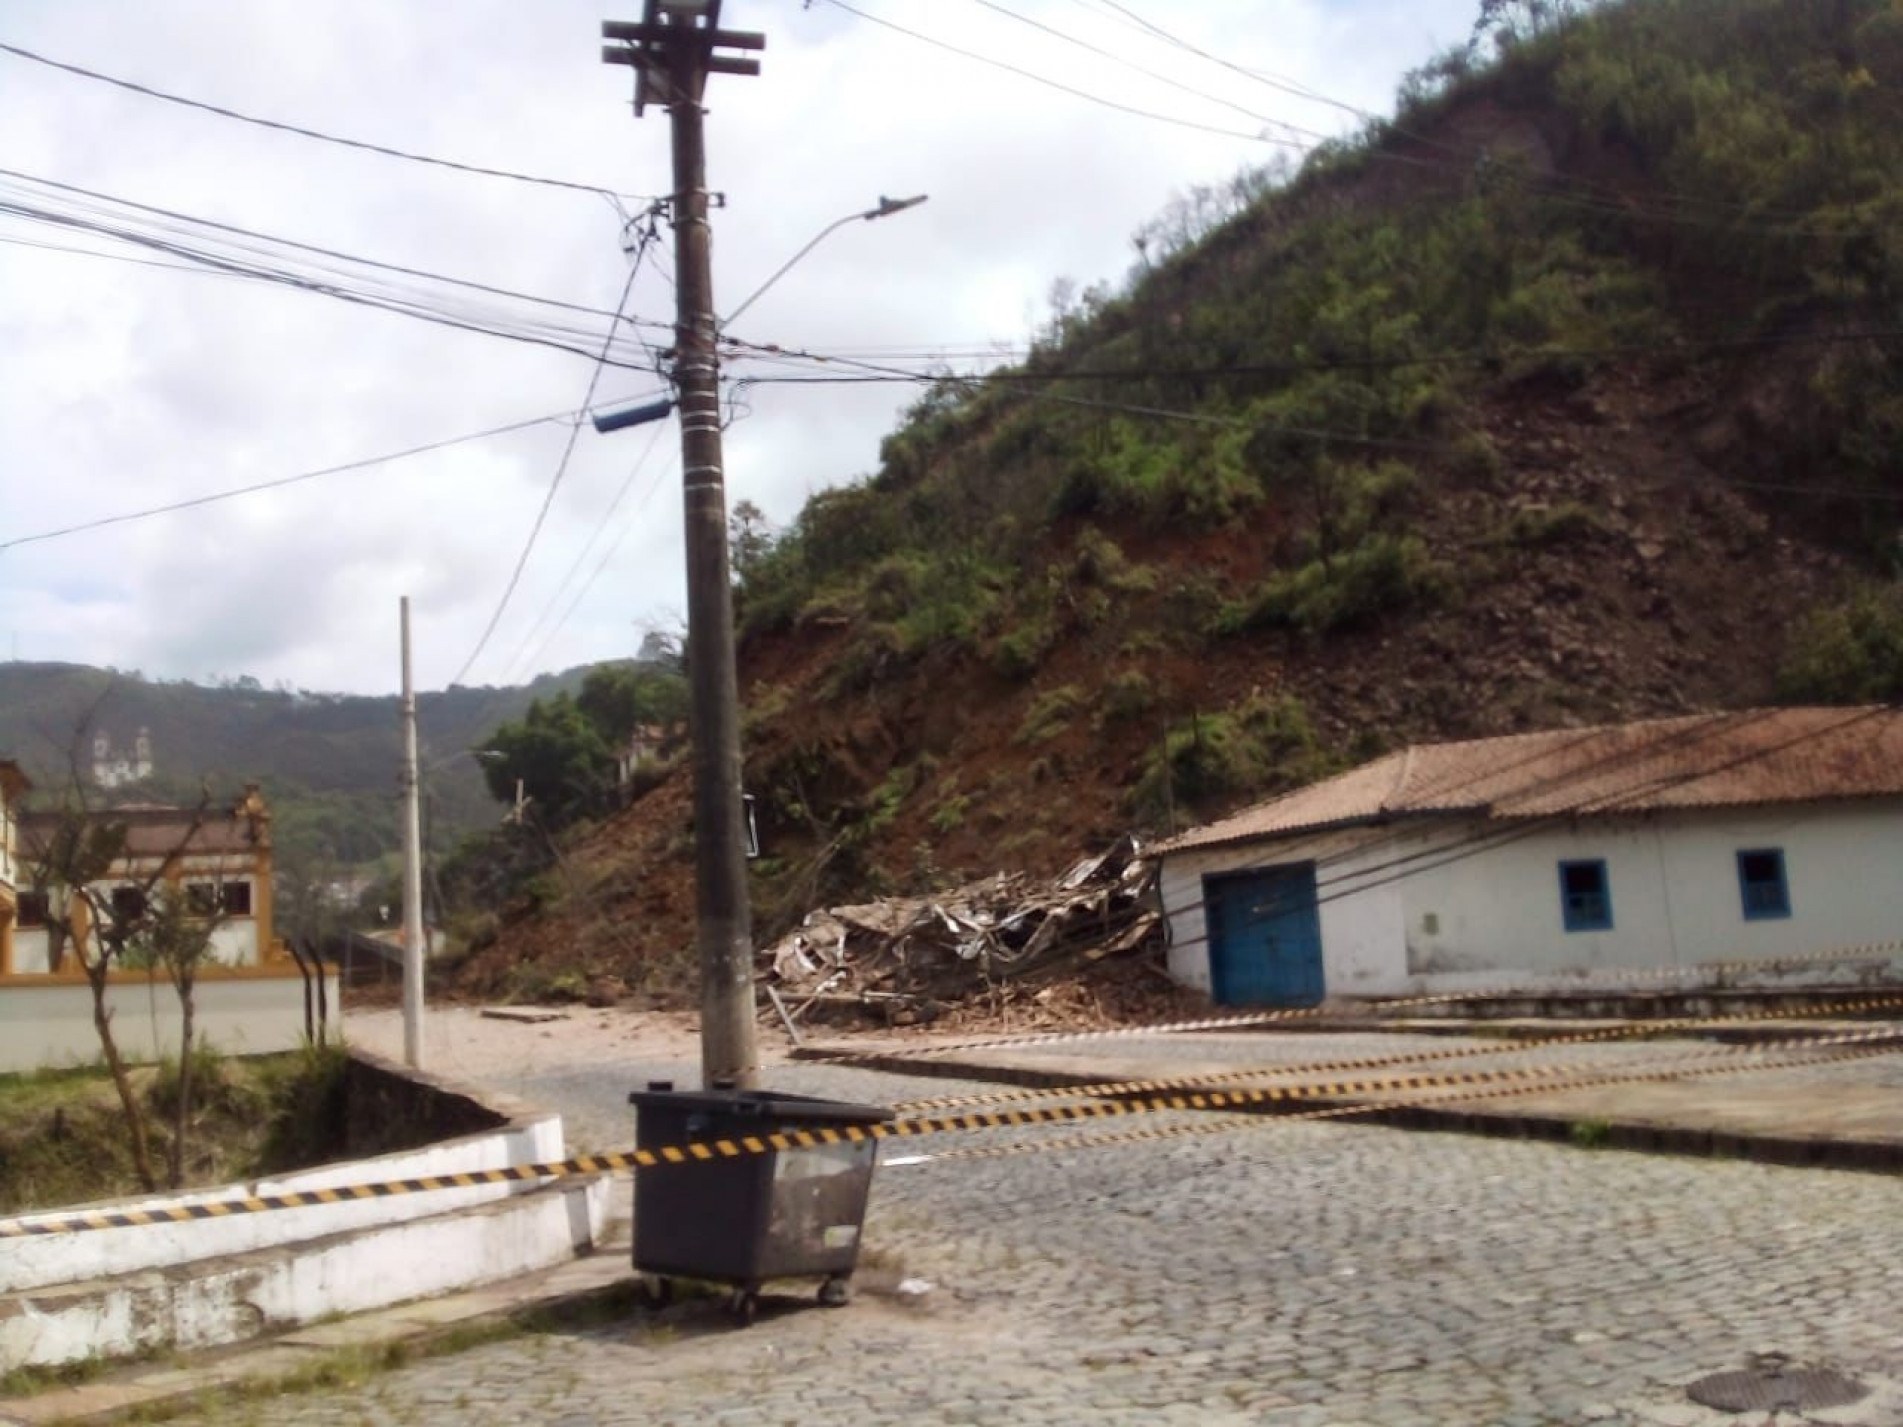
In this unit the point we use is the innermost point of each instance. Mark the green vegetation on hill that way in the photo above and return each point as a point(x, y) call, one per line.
point(1570, 394)
point(1312, 361)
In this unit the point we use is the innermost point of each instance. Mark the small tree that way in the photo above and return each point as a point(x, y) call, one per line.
point(177, 936)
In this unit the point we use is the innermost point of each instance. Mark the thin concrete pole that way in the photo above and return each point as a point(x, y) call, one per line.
point(412, 867)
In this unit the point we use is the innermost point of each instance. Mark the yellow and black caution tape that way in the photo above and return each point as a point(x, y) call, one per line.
point(1863, 951)
point(1207, 1126)
point(743, 1146)
point(1631, 1030)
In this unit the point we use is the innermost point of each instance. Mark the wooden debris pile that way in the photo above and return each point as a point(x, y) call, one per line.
point(908, 958)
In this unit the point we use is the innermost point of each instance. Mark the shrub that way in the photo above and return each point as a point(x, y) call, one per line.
point(1262, 745)
point(1020, 653)
point(1538, 526)
point(1847, 653)
point(1128, 695)
point(1383, 573)
point(1051, 713)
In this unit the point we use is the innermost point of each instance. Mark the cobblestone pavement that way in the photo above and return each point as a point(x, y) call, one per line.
point(1281, 1273)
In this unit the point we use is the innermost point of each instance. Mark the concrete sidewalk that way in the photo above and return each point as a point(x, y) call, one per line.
point(1842, 1113)
point(179, 1386)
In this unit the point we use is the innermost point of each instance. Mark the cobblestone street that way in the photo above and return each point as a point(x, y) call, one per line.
point(1294, 1274)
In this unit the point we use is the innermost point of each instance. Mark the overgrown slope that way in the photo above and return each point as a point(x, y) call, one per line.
point(1571, 395)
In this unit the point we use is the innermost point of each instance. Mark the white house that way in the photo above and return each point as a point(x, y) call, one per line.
point(251, 995)
point(1671, 843)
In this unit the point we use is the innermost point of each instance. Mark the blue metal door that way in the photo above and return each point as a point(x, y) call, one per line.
point(1265, 937)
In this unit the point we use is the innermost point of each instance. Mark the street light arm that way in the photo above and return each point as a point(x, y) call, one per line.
point(886, 208)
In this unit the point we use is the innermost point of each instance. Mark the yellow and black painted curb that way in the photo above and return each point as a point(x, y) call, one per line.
point(743, 1146)
point(1632, 1030)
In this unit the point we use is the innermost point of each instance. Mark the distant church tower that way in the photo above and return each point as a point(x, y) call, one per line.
point(113, 769)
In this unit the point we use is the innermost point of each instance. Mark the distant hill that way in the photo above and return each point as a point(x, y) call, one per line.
point(328, 762)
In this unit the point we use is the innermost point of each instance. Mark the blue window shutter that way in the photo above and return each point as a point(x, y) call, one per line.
point(1585, 896)
point(1764, 889)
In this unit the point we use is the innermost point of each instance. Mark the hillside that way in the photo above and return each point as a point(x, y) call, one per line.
point(1570, 395)
point(328, 762)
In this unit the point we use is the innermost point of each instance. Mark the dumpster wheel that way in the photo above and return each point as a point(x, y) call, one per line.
point(835, 1292)
point(745, 1306)
point(653, 1291)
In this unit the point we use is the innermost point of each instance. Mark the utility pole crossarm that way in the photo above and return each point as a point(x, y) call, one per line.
point(672, 53)
point(672, 50)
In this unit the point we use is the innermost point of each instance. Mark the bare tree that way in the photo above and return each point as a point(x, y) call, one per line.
point(79, 859)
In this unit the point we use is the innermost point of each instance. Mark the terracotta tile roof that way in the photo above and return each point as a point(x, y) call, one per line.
point(154, 830)
point(1704, 760)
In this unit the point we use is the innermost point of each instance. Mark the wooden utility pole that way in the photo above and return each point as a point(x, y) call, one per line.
point(673, 50)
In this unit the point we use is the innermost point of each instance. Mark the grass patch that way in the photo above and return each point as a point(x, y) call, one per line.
point(63, 1140)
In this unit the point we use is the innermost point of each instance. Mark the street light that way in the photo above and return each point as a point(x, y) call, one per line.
point(885, 209)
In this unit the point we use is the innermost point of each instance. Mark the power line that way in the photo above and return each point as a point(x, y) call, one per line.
point(601, 565)
point(1679, 347)
point(195, 221)
point(555, 484)
point(1160, 78)
point(1050, 83)
point(243, 252)
point(214, 497)
point(384, 150)
point(194, 270)
point(514, 663)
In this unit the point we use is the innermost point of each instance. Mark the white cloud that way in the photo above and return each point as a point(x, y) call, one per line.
point(130, 386)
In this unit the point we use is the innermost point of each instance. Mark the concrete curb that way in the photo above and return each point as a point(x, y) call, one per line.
point(1814, 1151)
point(154, 1389)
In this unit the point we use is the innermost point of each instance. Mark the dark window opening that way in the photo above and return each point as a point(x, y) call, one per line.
point(1585, 896)
point(31, 911)
point(1762, 884)
point(236, 898)
point(128, 904)
point(201, 898)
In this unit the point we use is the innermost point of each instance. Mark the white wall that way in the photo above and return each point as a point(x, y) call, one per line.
point(1418, 908)
point(1359, 932)
point(50, 1023)
point(234, 941)
point(75, 1256)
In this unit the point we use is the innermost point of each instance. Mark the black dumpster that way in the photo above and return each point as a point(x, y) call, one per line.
point(791, 1213)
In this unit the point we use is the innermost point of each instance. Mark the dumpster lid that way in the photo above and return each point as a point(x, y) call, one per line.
point(767, 1104)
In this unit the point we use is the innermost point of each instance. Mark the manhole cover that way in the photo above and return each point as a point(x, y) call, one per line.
point(1776, 1389)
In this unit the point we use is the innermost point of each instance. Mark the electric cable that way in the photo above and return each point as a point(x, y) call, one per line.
point(1048, 82)
point(213, 497)
point(384, 150)
point(554, 485)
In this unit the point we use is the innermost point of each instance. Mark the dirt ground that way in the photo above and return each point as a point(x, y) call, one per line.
point(461, 1041)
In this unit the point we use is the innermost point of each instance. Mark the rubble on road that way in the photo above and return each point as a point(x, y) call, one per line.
point(908, 958)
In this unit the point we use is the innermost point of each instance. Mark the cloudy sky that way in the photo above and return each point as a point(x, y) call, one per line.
point(128, 385)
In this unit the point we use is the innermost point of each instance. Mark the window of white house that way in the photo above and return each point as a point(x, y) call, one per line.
point(1585, 896)
point(237, 898)
point(32, 909)
point(1762, 885)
